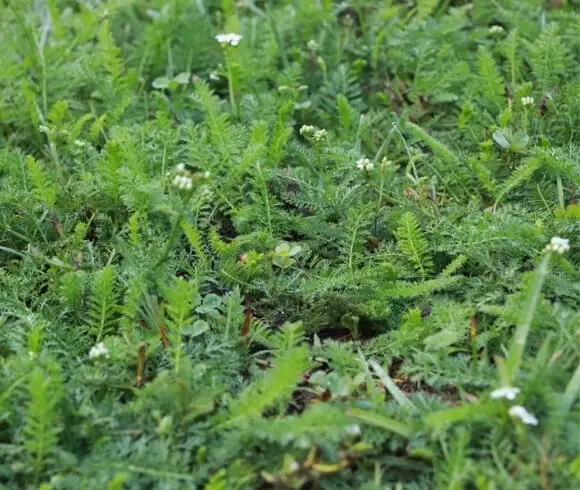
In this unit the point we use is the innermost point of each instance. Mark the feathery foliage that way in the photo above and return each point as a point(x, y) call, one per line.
point(308, 257)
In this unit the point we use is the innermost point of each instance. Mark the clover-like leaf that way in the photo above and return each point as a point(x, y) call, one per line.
point(500, 136)
point(161, 82)
point(196, 328)
point(183, 78)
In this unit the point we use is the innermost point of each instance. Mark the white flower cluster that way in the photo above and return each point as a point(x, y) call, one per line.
point(228, 39)
point(353, 430)
point(510, 393)
point(364, 164)
point(496, 29)
point(558, 245)
point(319, 135)
point(183, 178)
point(183, 182)
point(527, 101)
point(506, 392)
point(522, 414)
point(99, 350)
point(312, 45)
point(313, 132)
point(386, 163)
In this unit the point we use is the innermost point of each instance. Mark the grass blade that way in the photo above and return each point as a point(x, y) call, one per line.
point(572, 390)
point(520, 338)
point(378, 420)
point(474, 411)
point(392, 388)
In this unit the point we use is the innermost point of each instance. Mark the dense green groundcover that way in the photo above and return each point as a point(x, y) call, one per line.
point(306, 258)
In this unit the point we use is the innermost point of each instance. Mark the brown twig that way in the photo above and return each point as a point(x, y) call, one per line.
point(248, 315)
point(141, 358)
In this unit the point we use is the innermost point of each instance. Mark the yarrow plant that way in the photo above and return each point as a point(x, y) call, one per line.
point(558, 245)
point(227, 40)
point(286, 244)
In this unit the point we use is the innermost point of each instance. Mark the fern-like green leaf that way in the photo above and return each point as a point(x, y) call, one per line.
point(492, 84)
point(520, 176)
point(408, 290)
point(182, 298)
point(221, 131)
point(195, 239)
point(443, 151)
point(278, 384)
point(426, 7)
point(102, 303)
point(282, 132)
point(321, 422)
point(345, 112)
point(413, 244)
point(42, 427)
point(548, 55)
point(45, 189)
point(456, 264)
point(484, 176)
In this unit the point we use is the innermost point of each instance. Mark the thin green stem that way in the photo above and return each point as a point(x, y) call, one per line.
point(413, 177)
point(518, 343)
point(277, 36)
point(172, 237)
point(560, 188)
point(266, 198)
point(233, 105)
point(353, 241)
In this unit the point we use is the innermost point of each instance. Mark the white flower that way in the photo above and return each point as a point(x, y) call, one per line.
point(496, 29)
point(525, 416)
point(506, 392)
point(527, 101)
point(558, 245)
point(312, 45)
point(228, 39)
point(99, 350)
point(353, 430)
point(206, 174)
point(364, 164)
point(307, 129)
point(180, 167)
point(319, 135)
point(183, 182)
